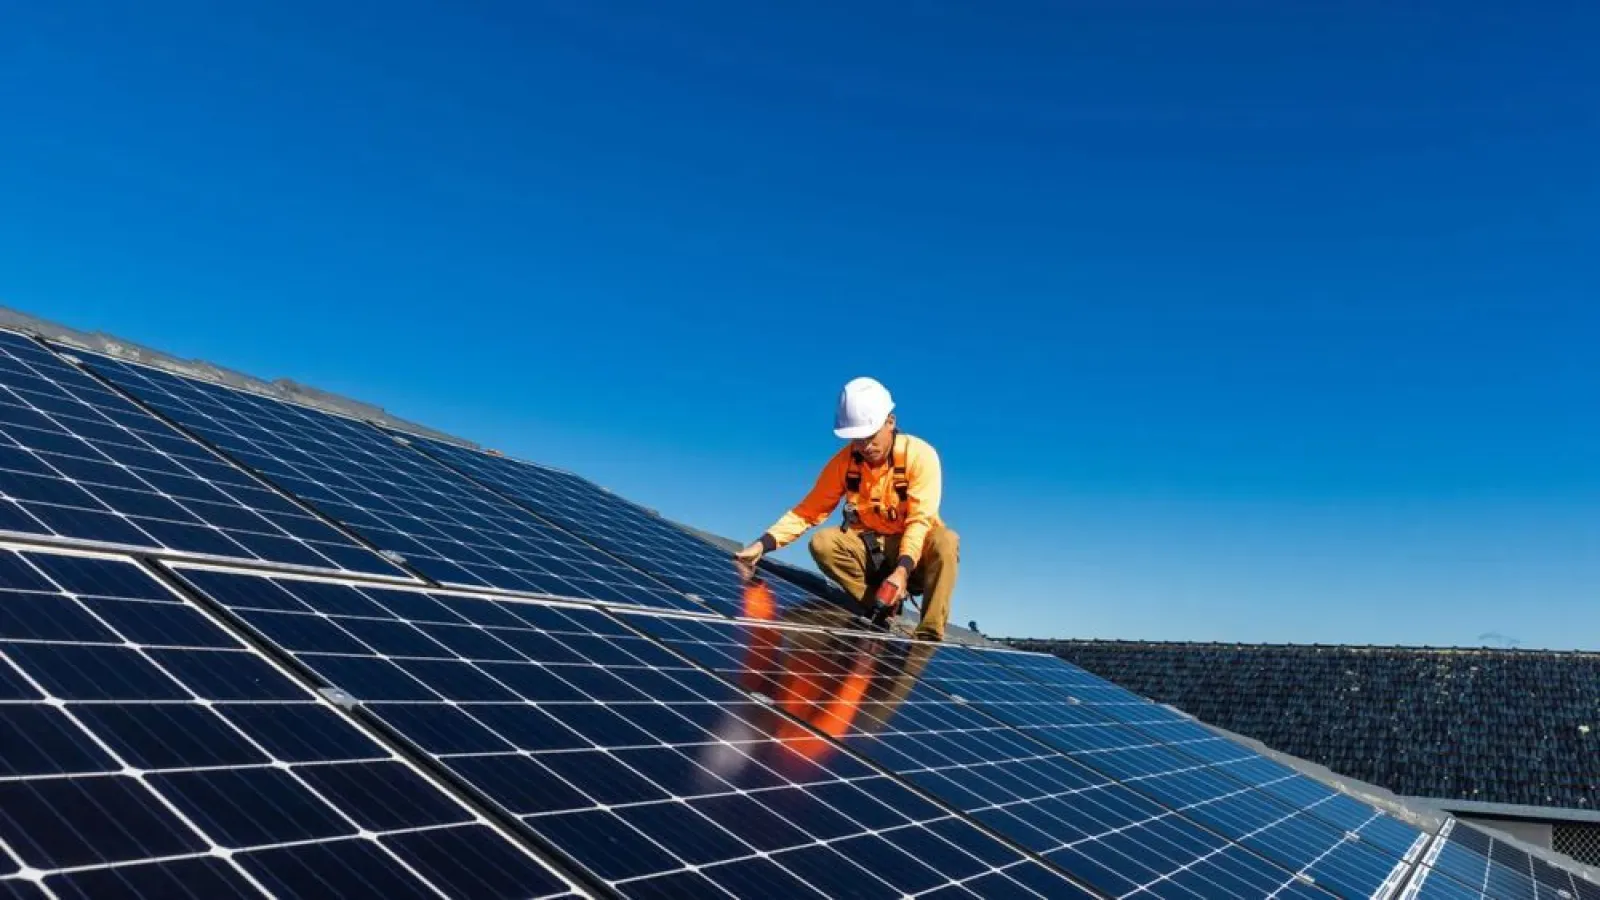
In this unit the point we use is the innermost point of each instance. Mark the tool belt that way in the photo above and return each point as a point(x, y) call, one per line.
point(876, 557)
point(870, 539)
point(877, 567)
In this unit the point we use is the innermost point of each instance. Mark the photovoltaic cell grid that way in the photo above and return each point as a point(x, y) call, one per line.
point(653, 775)
point(618, 526)
point(873, 694)
point(451, 530)
point(1132, 746)
point(79, 461)
point(1427, 884)
point(1156, 746)
point(1462, 872)
point(144, 751)
point(1127, 796)
point(1348, 846)
point(1093, 700)
point(1467, 862)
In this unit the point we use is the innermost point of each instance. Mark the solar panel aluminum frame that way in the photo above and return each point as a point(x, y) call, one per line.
point(1414, 856)
point(400, 574)
point(1425, 871)
point(307, 694)
point(620, 616)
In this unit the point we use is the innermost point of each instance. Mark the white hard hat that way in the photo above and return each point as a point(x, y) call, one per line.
point(864, 405)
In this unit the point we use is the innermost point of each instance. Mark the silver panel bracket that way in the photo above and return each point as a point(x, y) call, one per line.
point(339, 698)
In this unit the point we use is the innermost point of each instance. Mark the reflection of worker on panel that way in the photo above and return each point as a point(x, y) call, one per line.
point(830, 682)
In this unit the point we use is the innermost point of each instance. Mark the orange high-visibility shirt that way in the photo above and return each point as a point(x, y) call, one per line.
point(912, 522)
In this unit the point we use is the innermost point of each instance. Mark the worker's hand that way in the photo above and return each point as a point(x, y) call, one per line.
point(898, 578)
point(747, 559)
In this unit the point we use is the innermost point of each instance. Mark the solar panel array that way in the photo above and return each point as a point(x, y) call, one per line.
point(251, 648)
point(650, 774)
point(146, 751)
point(1109, 728)
point(1467, 862)
point(686, 562)
point(1110, 835)
point(449, 529)
point(79, 461)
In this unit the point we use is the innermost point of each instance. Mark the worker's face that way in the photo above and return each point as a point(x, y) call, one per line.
point(875, 449)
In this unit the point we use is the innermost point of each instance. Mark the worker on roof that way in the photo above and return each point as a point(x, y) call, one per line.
point(892, 542)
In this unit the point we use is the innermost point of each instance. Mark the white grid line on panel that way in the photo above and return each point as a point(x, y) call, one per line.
point(398, 499)
point(105, 759)
point(80, 462)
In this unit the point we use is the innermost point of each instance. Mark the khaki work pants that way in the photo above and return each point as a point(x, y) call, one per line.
point(842, 556)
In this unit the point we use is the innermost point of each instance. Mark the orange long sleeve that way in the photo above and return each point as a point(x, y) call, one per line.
point(875, 504)
point(816, 506)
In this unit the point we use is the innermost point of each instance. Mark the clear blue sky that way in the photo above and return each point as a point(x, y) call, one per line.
point(1253, 321)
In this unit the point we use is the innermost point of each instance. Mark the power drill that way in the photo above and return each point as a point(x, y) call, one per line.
point(885, 604)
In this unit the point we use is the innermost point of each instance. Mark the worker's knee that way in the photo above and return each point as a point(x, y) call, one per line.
point(824, 543)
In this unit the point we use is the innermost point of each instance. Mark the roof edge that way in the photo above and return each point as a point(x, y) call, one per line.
point(1562, 814)
point(1245, 645)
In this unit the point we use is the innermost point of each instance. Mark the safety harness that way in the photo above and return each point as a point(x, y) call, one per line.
point(852, 520)
point(902, 482)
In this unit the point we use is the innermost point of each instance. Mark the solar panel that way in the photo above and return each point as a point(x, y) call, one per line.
point(1429, 885)
point(144, 751)
point(79, 461)
point(1492, 867)
point(1149, 739)
point(1100, 702)
point(618, 526)
point(650, 774)
point(1097, 707)
point(492, 744)
point(1116, 839)
point(447, 528)
point(1183, 765)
